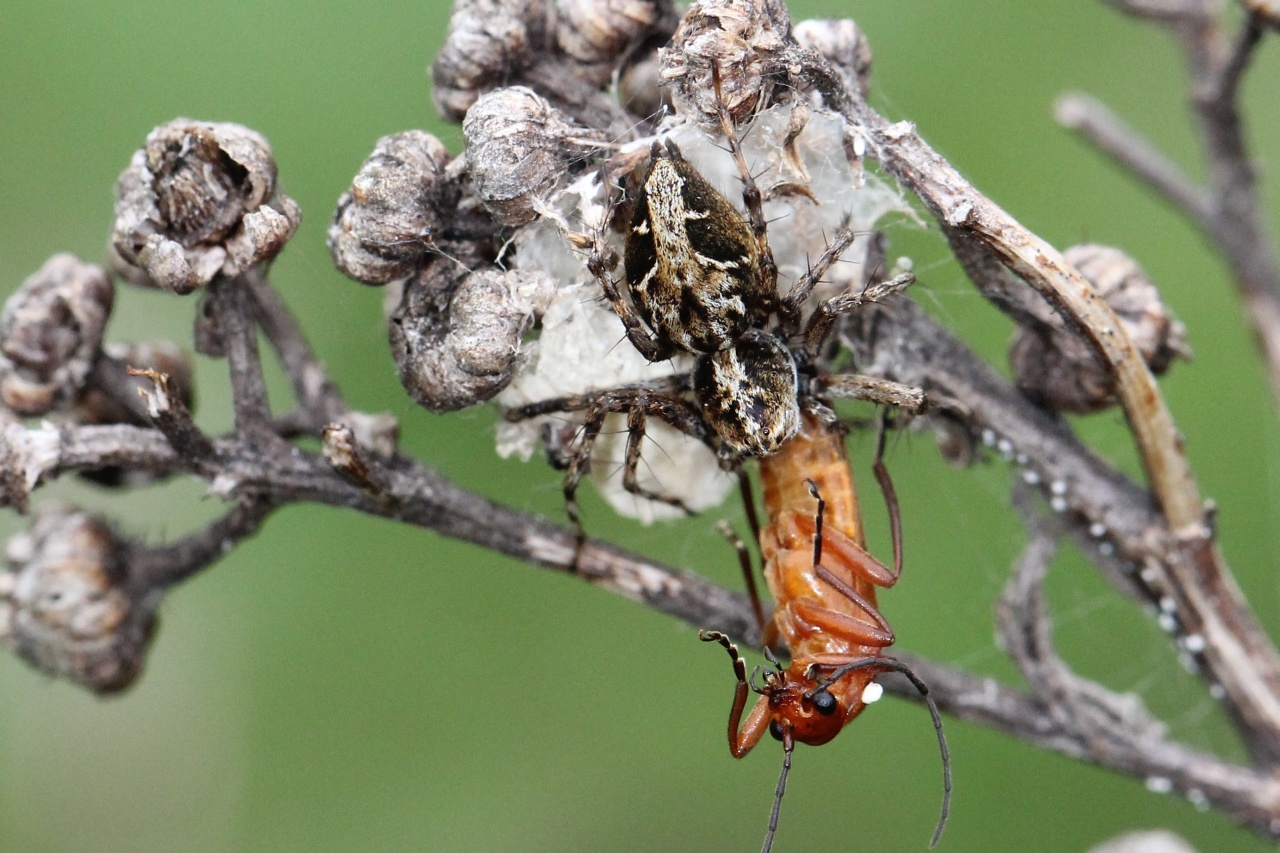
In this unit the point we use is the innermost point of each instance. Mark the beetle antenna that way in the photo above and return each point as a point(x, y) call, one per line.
point(897, 666)
point(788, 744)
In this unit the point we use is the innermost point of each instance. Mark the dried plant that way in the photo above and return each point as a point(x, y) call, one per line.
point(493, 260)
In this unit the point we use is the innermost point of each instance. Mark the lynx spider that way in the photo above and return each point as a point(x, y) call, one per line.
point(702, 280)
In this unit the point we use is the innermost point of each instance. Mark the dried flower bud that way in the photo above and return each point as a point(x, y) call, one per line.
point(51, 334)
point(596, 33)
point(841, 43)
point(199, 200)
point(519, 148)
point(1061, 371)
point(383, 226)
point(640, 87)
point(486, 42)
point(743, 39)
point(456, 335)
point(66, 607)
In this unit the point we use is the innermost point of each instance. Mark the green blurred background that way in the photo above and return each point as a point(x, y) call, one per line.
point(341, 683)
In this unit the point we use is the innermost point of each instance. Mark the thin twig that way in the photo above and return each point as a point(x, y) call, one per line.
point(1229, 210)
point(31, 457)
point(1091, 119)
point(318, 397)
point(167, 565)
point(231, 302)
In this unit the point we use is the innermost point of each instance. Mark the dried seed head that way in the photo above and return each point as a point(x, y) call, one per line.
point(841, 43)
point(1061, 371)
point(199, 200)
point(519, 149)
point(596, 33)
point(383, 227)
point(487, 41)
point(66, 607)
point(640, 88)
point(51, 334)
point(744, 40)
point(1133, 296)
point(456, 335)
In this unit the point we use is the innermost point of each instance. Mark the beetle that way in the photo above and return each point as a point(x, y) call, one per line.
point(824, 582)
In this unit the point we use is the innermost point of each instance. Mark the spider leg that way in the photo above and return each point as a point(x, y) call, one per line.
point(636, 417)
point(580, 463)
point(854, 386)
point(819, 325)
point(793, 302)
point(601, 261)
point(638, 402)
point(614, 399)
point(751, 198)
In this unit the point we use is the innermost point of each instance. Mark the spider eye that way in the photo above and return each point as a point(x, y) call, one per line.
point(776, 730)
point(825, 703)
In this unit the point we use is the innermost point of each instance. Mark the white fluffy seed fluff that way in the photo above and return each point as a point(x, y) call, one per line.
point(583, 345)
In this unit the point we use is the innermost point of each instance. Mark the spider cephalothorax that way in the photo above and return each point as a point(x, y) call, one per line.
point(749, 395)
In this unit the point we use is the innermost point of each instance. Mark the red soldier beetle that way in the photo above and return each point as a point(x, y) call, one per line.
point(824, 582)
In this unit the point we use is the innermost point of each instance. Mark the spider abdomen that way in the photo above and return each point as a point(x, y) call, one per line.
point(691, 260)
